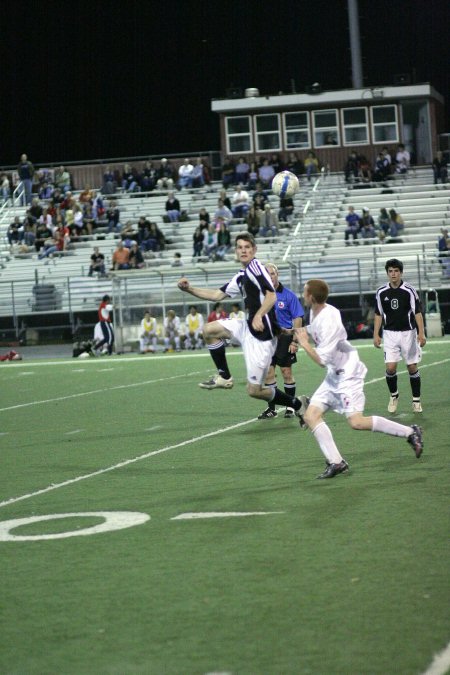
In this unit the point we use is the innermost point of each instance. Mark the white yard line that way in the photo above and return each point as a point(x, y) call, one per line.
point(440, 664)
point(222, 514)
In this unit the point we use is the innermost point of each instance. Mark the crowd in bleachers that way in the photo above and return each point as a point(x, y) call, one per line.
point(387, 227)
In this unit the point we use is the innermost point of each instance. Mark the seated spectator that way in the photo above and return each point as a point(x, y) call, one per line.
point(198, 178)
point(397, 223)
point(223, 240)
point(268, 222)
point(173, 208)
point(88, 218)
point(15, 232)
point(259, 197)
point(366, 222)
point(443, 243)
point(224, 197)
point(276, 163)
point(29, 233)
point(227, 173)
point(46, 191)
point(86, 196)
point(109, 182)
point(312, 166)
point(265, 174)
point(121, 257)
point(210, 242)
point(241, 202)
point(47, 219)
point(351, 168)
point(364, 172)
point(57, 197)
point(62, 179)
point(185, 177)
point(68, 202)
point(148, 177)
point(63, 231)
point(253, 220)
point(129, 179)
point(253, 176)
point(286, 211)
point(177, 261)
point(236, 312)
point(143, 229)
point(241, 171)
point(97, 263)
point(384, 221)
point(204, 218)
point(172, 332)
point(295, 165)
point(152, 238)
point(5, 188)
point(217, 313)
point(194, 329)
point(43, 233)
point(388, 159)
point(198, 241)
point(439, 167)
point(112, 216)
point(149, 333)
point(223, 212)
point(402, 159)
point(51, 246)
point(352, 228)
point(35, 210)
point(368, 230)
point(165, 175)
point(98, 207)
point(136, 259)
point(381, 168)
point(129, 231)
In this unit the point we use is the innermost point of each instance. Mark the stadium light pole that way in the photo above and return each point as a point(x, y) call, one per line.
point(355, 44)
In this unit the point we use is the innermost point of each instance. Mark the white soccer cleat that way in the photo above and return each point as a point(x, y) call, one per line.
point(217, 382)
point(417, 406)
point(393, 402)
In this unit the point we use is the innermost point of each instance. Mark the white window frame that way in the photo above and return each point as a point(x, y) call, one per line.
point(374, 125)
point(299, 129)
point(331, 129)
point(258, 134)
point(355, 126)
point(248, 134)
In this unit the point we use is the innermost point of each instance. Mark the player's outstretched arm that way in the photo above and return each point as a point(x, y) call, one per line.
point(202, 293)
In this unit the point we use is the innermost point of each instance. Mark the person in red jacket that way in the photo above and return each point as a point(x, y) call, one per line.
point(104, 328)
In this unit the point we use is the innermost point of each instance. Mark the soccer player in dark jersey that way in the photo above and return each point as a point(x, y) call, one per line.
point(257, 334)
point(289, 313)
point(398, 310)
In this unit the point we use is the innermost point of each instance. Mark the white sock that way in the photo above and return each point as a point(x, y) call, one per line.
point(326, 443)
point(385, 426)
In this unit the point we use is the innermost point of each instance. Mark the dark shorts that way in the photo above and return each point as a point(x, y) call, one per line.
point(283, 356)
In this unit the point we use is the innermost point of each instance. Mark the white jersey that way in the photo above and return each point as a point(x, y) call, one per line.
point(172, 325)
point(149, 327)
point(330, 337)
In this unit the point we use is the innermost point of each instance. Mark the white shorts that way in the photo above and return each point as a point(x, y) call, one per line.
point(257, 353)
point(400, 345)
point(346, 399)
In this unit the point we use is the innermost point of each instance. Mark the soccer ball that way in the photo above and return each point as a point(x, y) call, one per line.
point(285, 184)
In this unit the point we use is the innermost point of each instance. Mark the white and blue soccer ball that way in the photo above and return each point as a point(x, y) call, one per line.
point(285, 184)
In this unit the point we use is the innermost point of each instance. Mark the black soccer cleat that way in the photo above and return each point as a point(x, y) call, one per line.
point(304, 403)
point(333, 470)
point(289, 412)
point(267, 414)
point(415, 440)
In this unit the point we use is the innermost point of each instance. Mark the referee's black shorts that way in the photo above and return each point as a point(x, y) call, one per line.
point(283, 357)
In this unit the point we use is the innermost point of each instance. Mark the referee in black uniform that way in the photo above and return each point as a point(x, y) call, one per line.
point(398, 310)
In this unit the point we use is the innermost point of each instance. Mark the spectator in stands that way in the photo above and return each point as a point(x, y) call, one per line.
point(149, 333)
point(51, 246)
point(241, 202)
point(172, 332)
point(57, 197)
point(29, 232)
point(381, 168)
point(165, 175)
point(97, 263)
point(204, 218)
point(5, 188)
point(223, 212)
point(63, 231)
point(86, 196)
point(74, 220)
point(384, 222)
point(236, 312)
point(268, 223)
point(397, 223)
point(62, 179)
point(259, 196)
point(121, 257)
point(129, 179)
point(109, 182)
point(197, 241)
point(402, 159)
point(224, 197)
point(364, 171)
point(352, 228)
point(88, 218)
point(129, 231)
point(148, 177)
point(265, 174)
point(152, 238)
point(295, 165)
point(443, 243)
point(388, 158)
point(227, 173)
point(276, 162)
point(194, 329)
point(136, 259)
point(351, 168)
point(43, 232)
point(439, 167)
point(15, 231)
point(368, 230)
point(198, 178)
point(366, 223)
point(68, 202)
point(177, 261)
point(173, 208)
point(312, 165)
point(217, 313)
point(47, 219)
point(210, 241)
point(241, 171)
point(26, 172)
point(253, 220)
point(223, 240)
point(253, 176)
point(112, 215)
point(98, 207)
point(286, 210)
point(185, 174)
point(35, 209)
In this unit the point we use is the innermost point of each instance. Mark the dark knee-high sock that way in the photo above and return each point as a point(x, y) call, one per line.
point(218, 355)
point(280, 398)
point(289, 389)
point(273, 386)
point(391, 380)
point(414, 380)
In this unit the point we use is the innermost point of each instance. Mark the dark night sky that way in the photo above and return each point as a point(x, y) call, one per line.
point(90, 80)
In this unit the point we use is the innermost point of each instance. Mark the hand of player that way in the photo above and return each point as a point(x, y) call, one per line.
point(422, 340)
point(302, 336)
point(257, 323)
point(183, 284)
point(377, 341)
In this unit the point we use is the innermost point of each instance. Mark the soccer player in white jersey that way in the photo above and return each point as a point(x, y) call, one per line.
point(343, 387)
point(257, 334)
point(149, 333)
point(398, 310)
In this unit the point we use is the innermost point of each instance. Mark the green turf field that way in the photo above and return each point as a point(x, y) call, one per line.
point(347, 576)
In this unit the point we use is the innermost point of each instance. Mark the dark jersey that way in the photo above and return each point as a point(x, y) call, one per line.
point(252, 283)
point(397, 306)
